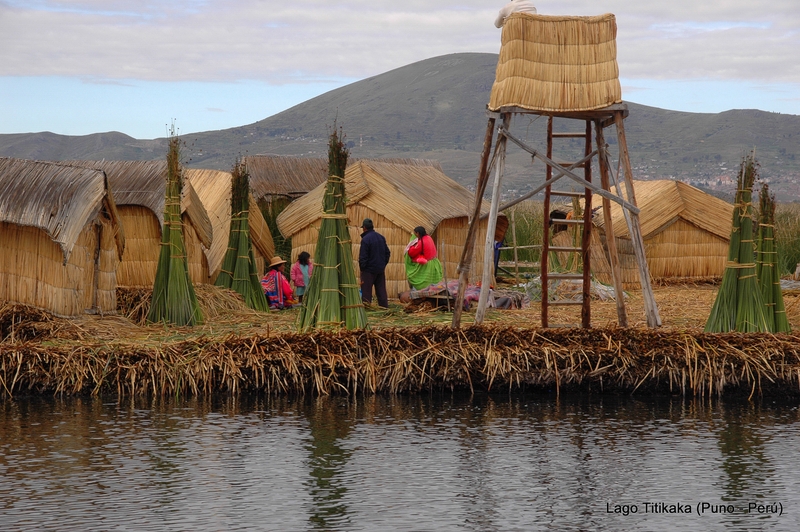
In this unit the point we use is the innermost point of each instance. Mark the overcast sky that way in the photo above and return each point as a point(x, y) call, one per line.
point(84, 66)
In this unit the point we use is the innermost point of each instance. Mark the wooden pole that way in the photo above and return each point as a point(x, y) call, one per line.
point(611, 243)
point(514, 242)
point(467, 252)
point(586, 237)
point(544, 258)
point(491, 226)
point(650, 307)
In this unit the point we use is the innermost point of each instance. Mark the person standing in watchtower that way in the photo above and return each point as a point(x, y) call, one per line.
point(372, 260)
point(514, 6)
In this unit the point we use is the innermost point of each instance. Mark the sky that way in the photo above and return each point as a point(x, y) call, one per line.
point(76, 67)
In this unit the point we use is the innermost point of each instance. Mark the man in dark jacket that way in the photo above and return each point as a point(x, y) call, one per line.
point(372, 260)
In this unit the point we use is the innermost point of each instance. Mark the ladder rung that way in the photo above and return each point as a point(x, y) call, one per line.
point(563, 248)
point(569, 135)
point(567, 164)
point(565, 276)
point(568, 221)
point(567, 193)
point(565, 302)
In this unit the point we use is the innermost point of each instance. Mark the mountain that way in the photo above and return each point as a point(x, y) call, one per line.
point(435, 109)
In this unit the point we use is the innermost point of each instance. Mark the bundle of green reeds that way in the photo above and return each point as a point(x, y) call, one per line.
point(739, 305)
point(239, 270)
point(767, 264)
point(174, 300)
point(332, 299)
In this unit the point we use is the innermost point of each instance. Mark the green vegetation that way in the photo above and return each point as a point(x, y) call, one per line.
point(174, 300)
point(332, 299)
point(740, 305)
point(239, 270)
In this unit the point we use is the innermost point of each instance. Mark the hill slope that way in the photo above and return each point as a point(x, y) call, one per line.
point(435, 109)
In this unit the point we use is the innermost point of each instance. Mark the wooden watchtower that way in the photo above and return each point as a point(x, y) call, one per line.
point(561, 67)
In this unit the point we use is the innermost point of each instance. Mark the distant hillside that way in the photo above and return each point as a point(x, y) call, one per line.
point(435, 109)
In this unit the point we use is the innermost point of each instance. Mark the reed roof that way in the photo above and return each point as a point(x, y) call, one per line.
point(214, 189)
point(281, 175)
point(143, 183)
point(557, 63)
point(408, 195)
point(56, 198)
point(662, 202)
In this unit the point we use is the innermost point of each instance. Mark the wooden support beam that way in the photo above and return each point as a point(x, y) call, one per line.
point(467, 252)
point(488, 255)
point(650, 307)
point(581, 181)
point(611, 243)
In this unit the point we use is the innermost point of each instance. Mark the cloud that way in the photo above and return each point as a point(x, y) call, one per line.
point(308, 40)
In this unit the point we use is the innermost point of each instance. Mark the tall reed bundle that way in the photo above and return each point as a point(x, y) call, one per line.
point(174, 299)
point(239, 270)
point(767, 264)
point(332, 299)
point(739, 305)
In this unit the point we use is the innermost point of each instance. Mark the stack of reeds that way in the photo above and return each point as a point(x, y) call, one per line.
point(174, 300)
point(739, 305)
point(332, 299)
point(239, 271)
point(767, 264)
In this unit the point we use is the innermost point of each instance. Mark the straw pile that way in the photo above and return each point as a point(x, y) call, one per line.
point(477, 358)
point(239, 271)
point(557, 63)
point(174, 300)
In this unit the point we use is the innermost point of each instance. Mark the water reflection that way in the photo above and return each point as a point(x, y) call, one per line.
point(424, 462)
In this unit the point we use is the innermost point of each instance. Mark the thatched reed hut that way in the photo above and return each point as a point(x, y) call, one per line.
point(557, 63)
point(281, 179)
point(685, 231)
point(139, 189)
point(397, 197)
point(61, 238)
point(213, 187)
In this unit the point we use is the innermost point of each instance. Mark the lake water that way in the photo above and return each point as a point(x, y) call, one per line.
point(482, 463)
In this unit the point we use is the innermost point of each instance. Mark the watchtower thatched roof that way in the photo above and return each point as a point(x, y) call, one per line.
point(557, 63)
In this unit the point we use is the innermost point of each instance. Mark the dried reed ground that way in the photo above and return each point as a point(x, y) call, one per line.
point(240, 349)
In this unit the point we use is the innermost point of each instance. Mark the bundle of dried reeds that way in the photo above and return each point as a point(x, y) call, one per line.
point(332, 299)
point(239, 270)
point(487, 358)
point(767, 264)
point(174, 299)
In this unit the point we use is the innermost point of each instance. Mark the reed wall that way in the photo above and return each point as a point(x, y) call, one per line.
point(32, 270)
point(142, 246)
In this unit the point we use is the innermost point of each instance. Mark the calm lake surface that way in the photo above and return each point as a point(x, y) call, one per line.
point(519, 462)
